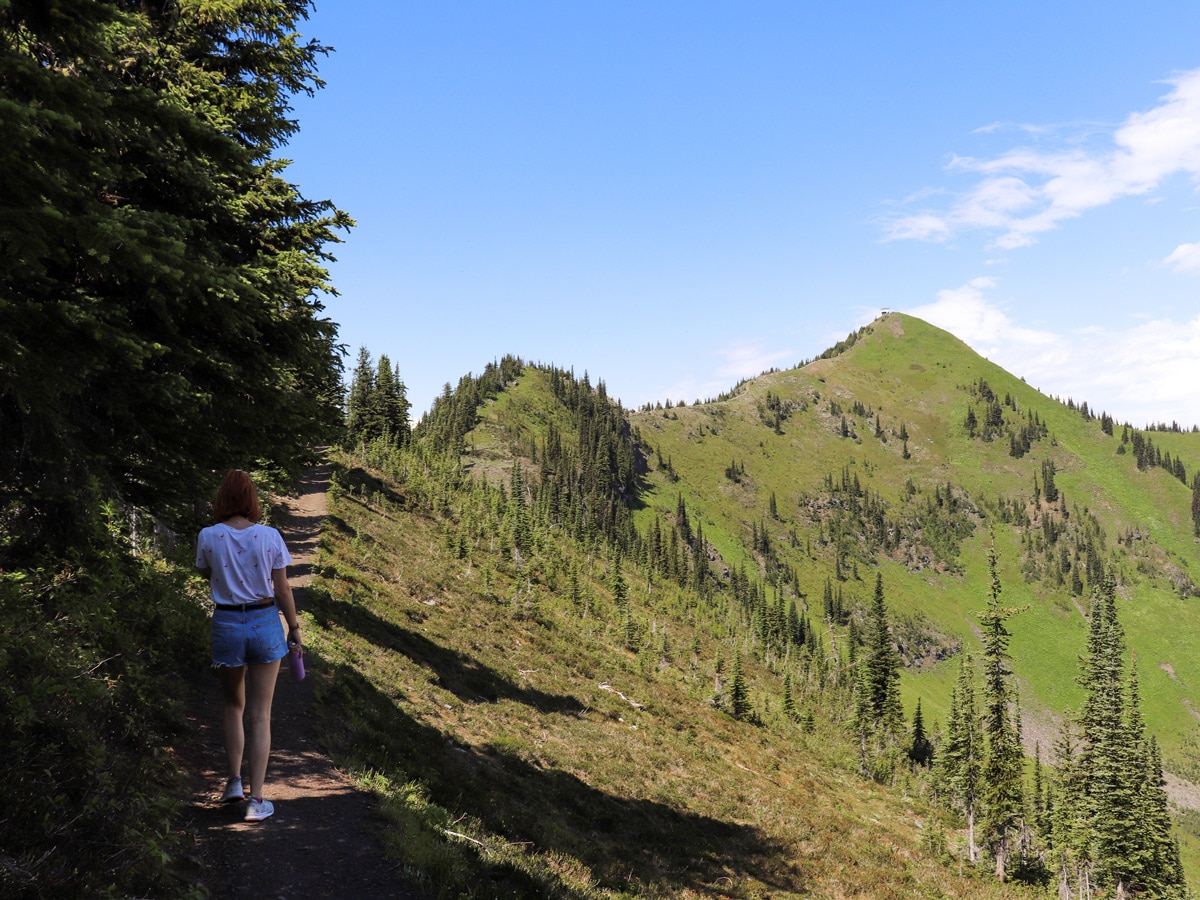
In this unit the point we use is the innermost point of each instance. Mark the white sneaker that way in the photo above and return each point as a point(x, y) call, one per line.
point(233, 791)
point(257, 810)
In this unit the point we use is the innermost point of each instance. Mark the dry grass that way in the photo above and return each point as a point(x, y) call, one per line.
point(520, 752)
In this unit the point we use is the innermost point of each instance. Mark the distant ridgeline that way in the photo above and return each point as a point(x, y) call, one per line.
point(547, 468)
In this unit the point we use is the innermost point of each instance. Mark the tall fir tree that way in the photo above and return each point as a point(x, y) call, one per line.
point(920, 749)
point(881, 667)
point(161, 281)
point(359, 399)
point(391, 400)
point(739, 693)
point(1119, 835)
point(959, 767)
point(1003, 791)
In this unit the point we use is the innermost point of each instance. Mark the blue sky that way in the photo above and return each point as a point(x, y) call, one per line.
point(674, 196)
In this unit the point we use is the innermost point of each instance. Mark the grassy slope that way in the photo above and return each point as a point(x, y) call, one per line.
point(502, 704)
point(911, 371)
point(490, 688)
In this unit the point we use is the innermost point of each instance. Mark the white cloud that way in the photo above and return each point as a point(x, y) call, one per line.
point(1141, 374)
point(745, 359)
point(1025, 192)
point(966, 314)
point(1185, 258)
point(739, 359)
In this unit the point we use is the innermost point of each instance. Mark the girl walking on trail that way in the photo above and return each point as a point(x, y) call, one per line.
point(246, 565)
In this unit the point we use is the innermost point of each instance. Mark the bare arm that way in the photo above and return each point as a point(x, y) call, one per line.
point(283, 596)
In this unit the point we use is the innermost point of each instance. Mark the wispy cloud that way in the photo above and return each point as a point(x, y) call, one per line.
point(1141, 374)
point(1025, 192)
point(731, 363)
point(1185, 258)
point(745, 359)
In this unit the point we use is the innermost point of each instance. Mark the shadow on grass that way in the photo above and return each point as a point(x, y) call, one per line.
point(359, 481)
point(466, 678)
point(627, 844)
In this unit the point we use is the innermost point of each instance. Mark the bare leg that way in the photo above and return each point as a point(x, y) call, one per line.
point(233, 688)
point(262, 692)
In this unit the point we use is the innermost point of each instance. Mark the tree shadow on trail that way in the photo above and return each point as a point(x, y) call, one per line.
point(466, 678)
point(627, 844)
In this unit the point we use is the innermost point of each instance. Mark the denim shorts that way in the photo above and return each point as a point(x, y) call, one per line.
point(250, 637)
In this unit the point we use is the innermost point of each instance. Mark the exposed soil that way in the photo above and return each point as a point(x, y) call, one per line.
point(322, 840)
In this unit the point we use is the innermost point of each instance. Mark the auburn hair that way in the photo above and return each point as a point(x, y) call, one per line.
point(236, 497)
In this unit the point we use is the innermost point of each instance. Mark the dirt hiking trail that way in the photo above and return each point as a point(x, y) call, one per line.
point(322, 840)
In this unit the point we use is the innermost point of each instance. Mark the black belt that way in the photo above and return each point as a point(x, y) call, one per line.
point(245, 607)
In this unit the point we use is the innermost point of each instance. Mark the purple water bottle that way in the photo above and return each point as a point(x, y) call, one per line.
point(295, 661)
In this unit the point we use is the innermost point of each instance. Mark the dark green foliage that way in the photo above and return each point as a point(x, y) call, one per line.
point(959, 767)
point(971, 423)
point(377, 406)
point(859, 525)
point(1112, 828)
point(1049, 488)
point(842, 346)
point(774, 411)
point(920, 749)
point(739, 696)
point(881, 666)
point(160, 279)
point(89, 691)
point(455, 412)
point(1002, 793)
point(1147, 455)
point(1196, 503)
point(161, 286)
point(992, 424)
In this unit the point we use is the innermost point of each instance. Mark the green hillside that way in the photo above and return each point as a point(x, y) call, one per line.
point(912, 374)
point(590, 639)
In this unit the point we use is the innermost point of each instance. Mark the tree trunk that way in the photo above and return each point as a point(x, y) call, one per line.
point(1064, 883)
point(972, 850)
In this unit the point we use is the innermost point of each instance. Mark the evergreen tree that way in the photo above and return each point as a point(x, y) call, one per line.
point(1049, 488)
point(574, 591)
point(739, 695)
point(881, 667)
point(789, 702)
point(920, 748)
point(391, 400)
point(959, 765)
point(161, 279)
point(359, 414)
point(1003, 794)
point(972, 422)
point(1196, 503)
point(1122, 833)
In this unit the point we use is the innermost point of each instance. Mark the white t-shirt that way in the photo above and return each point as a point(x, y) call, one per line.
point(241, 560)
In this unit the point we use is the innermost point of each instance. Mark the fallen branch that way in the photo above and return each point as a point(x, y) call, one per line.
point(605, 686)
